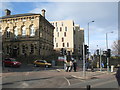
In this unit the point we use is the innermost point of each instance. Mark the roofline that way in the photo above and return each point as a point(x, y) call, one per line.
point(18, 15)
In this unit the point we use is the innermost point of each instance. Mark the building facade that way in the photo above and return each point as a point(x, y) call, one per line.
point(26, 35)
point(69, 36)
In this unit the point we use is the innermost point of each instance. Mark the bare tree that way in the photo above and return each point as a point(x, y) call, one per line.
point(116, 47)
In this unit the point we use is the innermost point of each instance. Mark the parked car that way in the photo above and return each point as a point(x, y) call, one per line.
point(42, 63)
point(11, 62)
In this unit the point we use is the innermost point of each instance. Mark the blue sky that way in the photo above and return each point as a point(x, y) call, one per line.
point(105, 15)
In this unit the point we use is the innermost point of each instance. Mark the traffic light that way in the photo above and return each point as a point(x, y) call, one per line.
point(97, 51)
point(68, 53)
point(65, 53)
point(108, 52)
point(61, 51)
point(105, 53)
point(86, 49)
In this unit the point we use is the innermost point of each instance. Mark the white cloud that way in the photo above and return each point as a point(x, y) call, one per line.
point(104, 14)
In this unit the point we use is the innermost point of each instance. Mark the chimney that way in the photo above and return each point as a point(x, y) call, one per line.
point(43, 13)
point(7, 12)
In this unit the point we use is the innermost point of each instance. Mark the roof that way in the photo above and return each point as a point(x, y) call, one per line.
point(18, 15)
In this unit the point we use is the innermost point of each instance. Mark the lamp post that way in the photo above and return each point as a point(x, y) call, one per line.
point(107, 49)
point(88, 35)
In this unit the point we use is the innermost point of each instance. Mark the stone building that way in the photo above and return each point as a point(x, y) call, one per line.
point(26, 35)
point(69, 36)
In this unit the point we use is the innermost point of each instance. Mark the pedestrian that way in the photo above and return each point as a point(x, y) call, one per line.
point(102, 64)
point(92, 66)
point(118, 77)
point(67, 66)
point(87, 65)
point(71, 66)
point(75, 65)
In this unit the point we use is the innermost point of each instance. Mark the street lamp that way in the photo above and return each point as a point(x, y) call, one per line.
point(88, 35)
point(107, 49)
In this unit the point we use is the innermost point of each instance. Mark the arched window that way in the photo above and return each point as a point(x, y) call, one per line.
point(23, 31)
point(8, 50)
point(32, 31)
point(23, 49)
point(8, 32)
point(15, 31)
point(32, 49)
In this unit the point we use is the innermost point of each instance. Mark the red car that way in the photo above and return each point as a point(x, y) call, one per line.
point(11, 62)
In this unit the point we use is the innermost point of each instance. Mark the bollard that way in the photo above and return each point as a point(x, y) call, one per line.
point(88, 87)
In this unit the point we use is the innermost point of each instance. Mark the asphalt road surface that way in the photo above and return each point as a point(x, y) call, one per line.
point(52, 78)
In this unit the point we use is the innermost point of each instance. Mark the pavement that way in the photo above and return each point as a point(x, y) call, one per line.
point(88, 74)
point(79, 74)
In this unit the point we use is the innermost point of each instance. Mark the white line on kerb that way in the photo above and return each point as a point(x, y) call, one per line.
point(67, 81)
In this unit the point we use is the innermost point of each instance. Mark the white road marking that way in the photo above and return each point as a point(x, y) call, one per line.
point(67, 81)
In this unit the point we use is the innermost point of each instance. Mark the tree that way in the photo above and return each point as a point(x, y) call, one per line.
point(116, 47)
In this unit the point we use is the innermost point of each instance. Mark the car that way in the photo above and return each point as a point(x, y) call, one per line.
point(42, 63)
point(11, 62)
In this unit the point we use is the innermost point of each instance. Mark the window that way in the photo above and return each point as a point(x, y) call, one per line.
point(55, 39)
point(32, 31)
point(74, 46)
point(0, 31)
point(58, 34)
point(65, 28)
point(60, 28)
point(23, 31)
point(23, 49)
point(32, 18)
point(23, 19)
point(7, 50)
point(67, 44)
point(8, 32)
point(56, 44)
point(74, 32)
point(56, 29)
point(63, 44)
point(65, 34)
point(62, 24)
point(15, 31)
point(56, 24)
point(32, 49)
point(73, 24)
point(62, 39)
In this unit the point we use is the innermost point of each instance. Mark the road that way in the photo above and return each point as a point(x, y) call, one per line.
point(52, 78)
point(98, 82)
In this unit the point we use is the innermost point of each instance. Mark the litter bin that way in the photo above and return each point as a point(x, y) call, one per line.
point(112, 68)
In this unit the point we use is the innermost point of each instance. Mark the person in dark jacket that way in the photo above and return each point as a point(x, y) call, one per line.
point(75, 65)
point(118, 77)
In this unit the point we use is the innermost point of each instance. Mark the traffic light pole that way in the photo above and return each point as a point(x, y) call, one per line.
point(83, 60)
point(65, 58)
point(107, 57)
point(100, 61)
